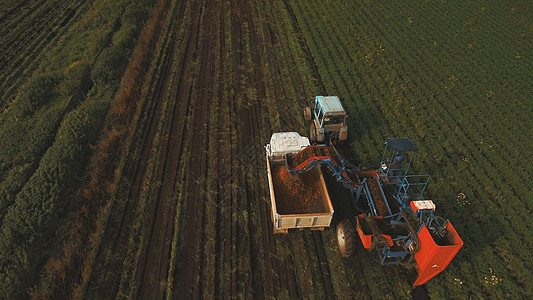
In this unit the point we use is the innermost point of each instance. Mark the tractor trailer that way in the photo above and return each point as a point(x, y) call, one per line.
point(300, 201)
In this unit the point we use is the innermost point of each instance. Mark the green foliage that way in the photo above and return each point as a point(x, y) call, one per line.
point(75, 75)
point(107, 69)
point(135, 11)
point(126, 37)
point(110, 62)
point(439, 73)
point(39, 164)
point(32, 219)
point(24, 142)
point(40, 90)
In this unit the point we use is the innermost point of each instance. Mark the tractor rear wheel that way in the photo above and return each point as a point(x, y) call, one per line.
point(312, 133)
point(307, 113)
point(346, 238)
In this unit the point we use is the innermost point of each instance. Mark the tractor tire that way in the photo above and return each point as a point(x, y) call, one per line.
point(346, 238)
point(334, 139)
point(312, 133)
point(307, 114)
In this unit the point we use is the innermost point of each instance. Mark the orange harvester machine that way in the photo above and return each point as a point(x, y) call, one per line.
point(428, 249)
point(396, 219)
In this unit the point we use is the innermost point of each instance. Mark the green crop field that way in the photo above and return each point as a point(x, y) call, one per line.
point(457, 78)
point(132, 134)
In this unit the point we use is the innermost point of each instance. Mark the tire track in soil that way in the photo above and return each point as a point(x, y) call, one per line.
point(323, 265)
point(225, 245)
point(281, 278)
point(190, 257)
point(262, 283)
point(223, 174)
point(318, 248)
point(224, 279)
point(247, 131)
point(317, 238)
point(276, 275)
point(254, 132)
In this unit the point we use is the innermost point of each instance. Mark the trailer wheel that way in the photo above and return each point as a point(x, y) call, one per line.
point(312, 133)
point(307, 113)
point(346, 238)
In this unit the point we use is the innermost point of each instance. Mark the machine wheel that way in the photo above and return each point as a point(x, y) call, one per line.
point(437, 226)
point(307, 114)
point(334, 138)
point(346, 238)
point(312, 133)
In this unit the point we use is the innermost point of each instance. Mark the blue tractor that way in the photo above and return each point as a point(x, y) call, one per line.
point(328, 120)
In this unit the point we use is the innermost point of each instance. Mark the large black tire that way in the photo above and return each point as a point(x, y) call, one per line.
point(334, 138)
point(307, 114)
point(346, 238)
point(312, 133)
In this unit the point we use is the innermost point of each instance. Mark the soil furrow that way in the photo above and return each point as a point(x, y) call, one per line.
point(153, 262)
point(157, 247)
point(216, 69)
point(135, 174)
point(189, 257)
point(12, 12)
point(323, 266)
point(223, 150)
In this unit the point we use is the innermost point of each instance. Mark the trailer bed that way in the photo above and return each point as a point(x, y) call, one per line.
point(298, 201)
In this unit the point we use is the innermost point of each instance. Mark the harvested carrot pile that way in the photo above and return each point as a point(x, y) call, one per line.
point(378, 197)
point(296, 194)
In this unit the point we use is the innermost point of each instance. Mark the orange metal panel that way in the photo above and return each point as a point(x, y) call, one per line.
point(432, 258)
point(366, 239)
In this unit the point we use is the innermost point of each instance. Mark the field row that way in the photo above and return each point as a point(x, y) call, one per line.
point(28, 33)
point(425, 86)
point(48, 127)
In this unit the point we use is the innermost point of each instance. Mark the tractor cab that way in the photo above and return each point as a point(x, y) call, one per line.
point(328, 120)
point(395, 165)
point(397, 157)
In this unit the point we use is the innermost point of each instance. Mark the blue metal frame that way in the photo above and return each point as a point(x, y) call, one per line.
point(317, 108)
point(409, 182)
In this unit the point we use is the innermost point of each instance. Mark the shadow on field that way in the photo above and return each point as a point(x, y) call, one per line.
point(420, 293)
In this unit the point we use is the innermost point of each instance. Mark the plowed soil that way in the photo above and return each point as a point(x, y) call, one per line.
point(197, 219)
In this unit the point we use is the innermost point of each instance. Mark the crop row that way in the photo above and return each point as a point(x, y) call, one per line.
point(425, 86)
point(28, 38)
point(493, 182)
point(41, 176)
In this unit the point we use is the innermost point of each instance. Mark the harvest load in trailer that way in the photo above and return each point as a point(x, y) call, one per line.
point(298, 201)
